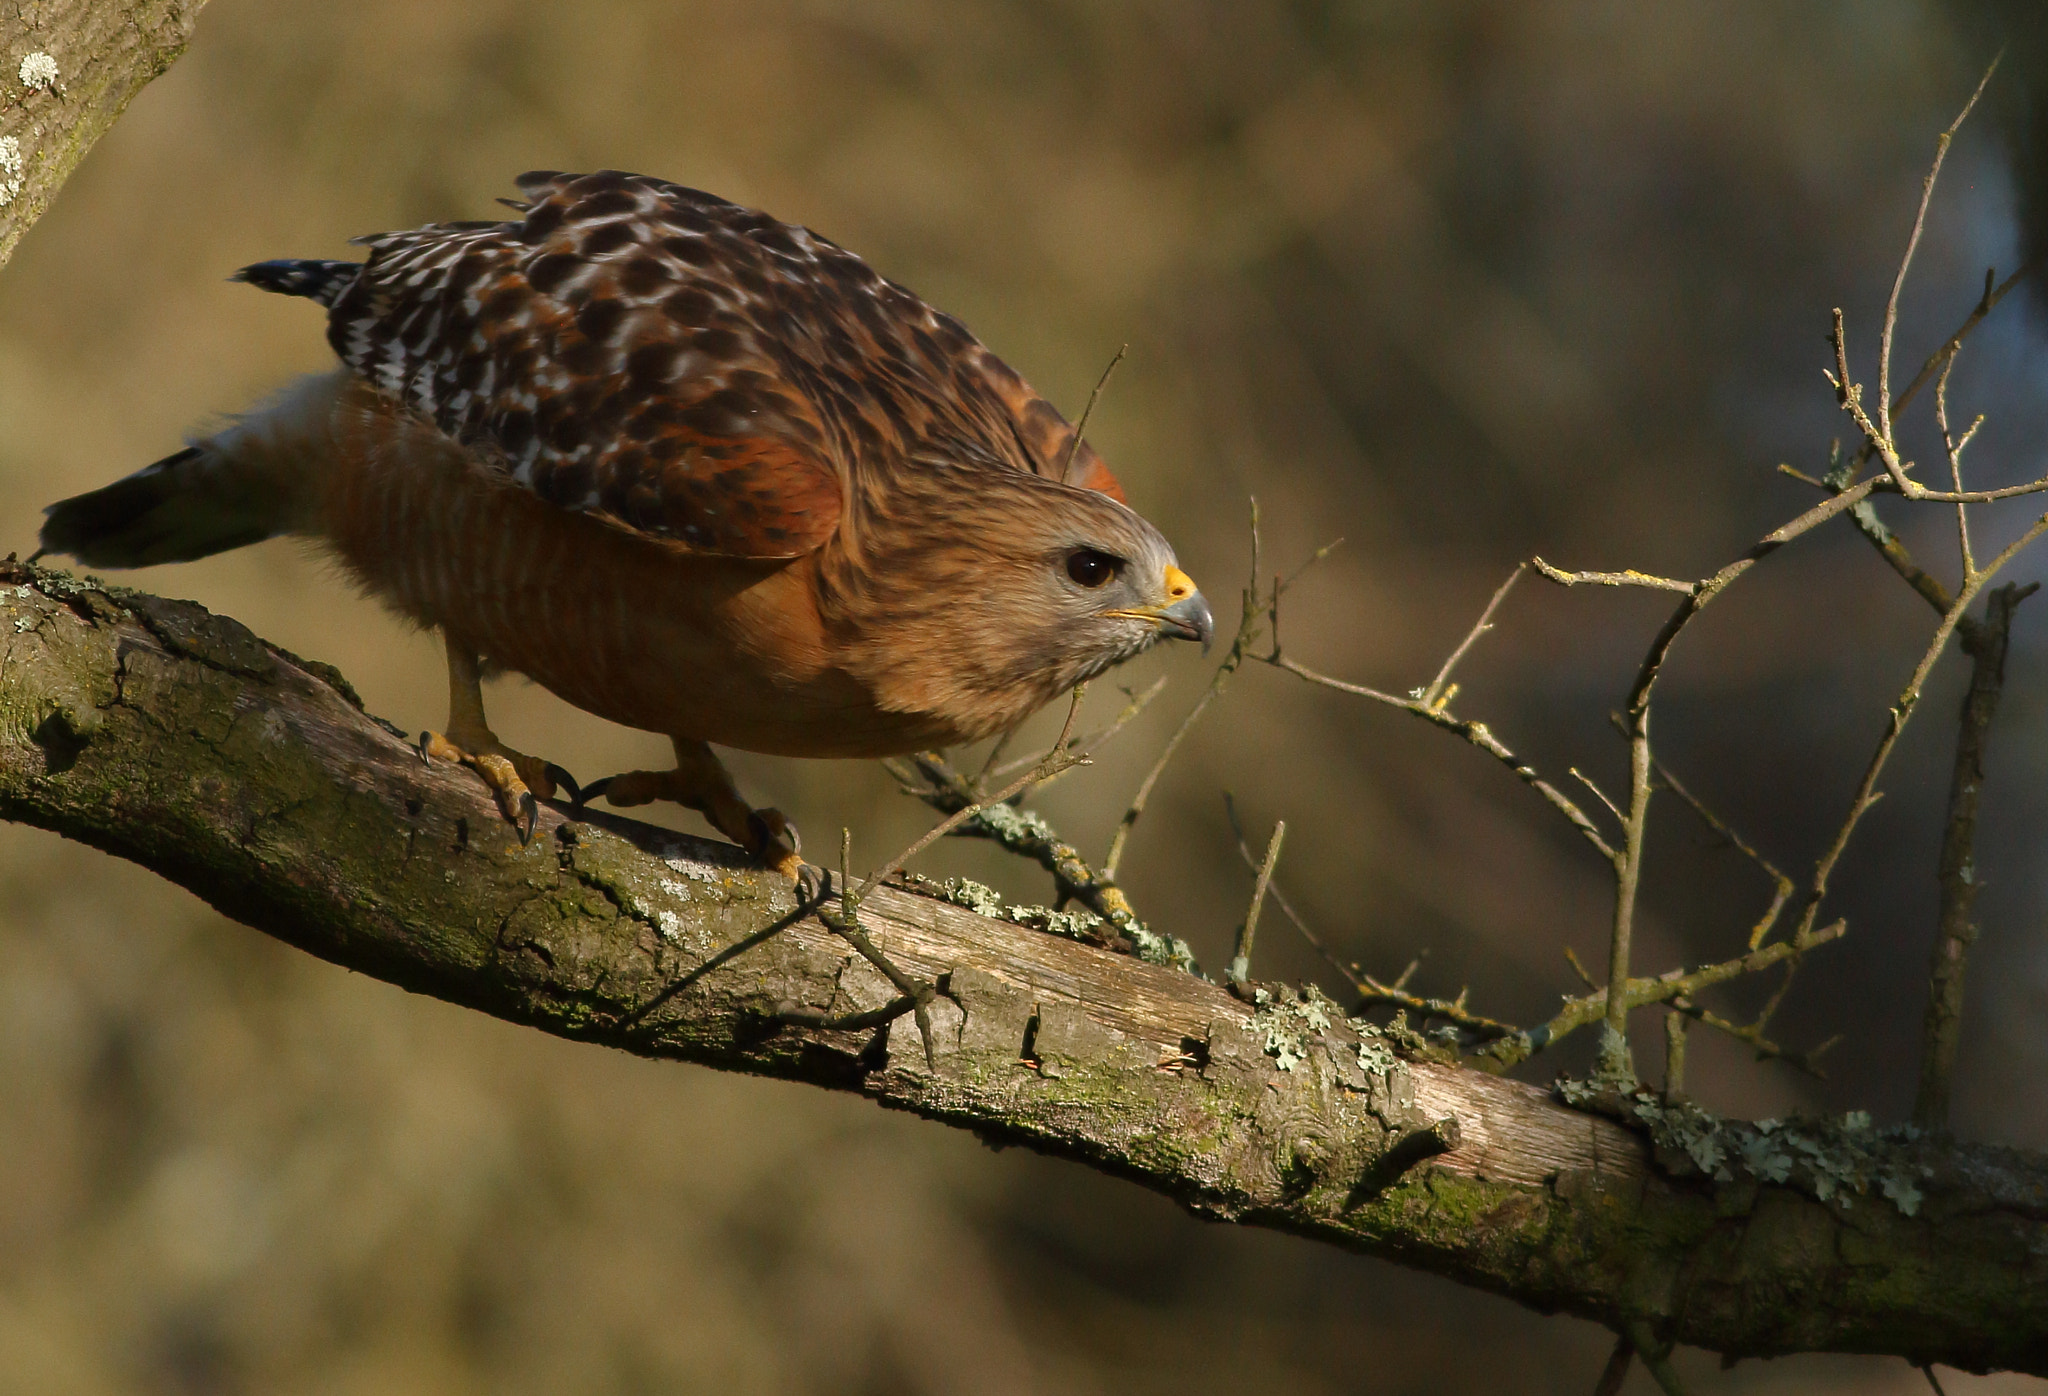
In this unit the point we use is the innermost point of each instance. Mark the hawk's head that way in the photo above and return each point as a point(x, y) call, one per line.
point(995, 592)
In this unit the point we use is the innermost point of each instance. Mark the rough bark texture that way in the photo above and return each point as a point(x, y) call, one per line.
point(175, 738)
point(95, 57)
point(1986, 643)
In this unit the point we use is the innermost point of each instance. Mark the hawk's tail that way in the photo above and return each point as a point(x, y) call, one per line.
point(294, 276)
point(255, 480)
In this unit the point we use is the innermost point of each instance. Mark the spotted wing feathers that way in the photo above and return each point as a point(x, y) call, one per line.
point(678, 365)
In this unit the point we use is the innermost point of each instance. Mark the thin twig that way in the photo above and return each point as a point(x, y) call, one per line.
point(1927, 1371)
point(1954, 343)
point(1891, 307)
point(1656, 1358)
point(1752, 1036)
point(1666, 987)
point(995, 754)
point(1241, 962)
point(1901, 712)
point(1058, 758)
point(1433, 707)
point(1371, 992)
point(1601, 795)
point(1921, 492)
point(913, 996)
point(1090, 743)
point(1616, 1371)
point(1437, 693)
point(1637, 723)
point(1586, 978)
point(1674, 1056)
point(1279, 897)
point(1954, 449)
point(1956, 872)
point(1088, 410)
point(1697, 596)
point(1935, 363)
point(1477, 733)
point(1783, 886)
point(1627, 578)
point(1025, 833)
point(1615, 1062)
point(1240, 646)
point(1849, 395)
point(1887, 543)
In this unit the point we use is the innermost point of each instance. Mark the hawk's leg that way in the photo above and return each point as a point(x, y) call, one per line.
point(700, 782)
point(519, 781)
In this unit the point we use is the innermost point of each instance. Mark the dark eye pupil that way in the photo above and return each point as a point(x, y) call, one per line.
point(1090, 568)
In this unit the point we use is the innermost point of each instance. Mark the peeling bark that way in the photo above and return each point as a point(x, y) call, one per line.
point(67, 70)
point(176, 739)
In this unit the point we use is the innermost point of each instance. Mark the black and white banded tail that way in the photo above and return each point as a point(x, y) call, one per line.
point(259, 477)
point(295, 276)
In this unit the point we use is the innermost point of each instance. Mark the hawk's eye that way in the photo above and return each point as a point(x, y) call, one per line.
point(1090, 568)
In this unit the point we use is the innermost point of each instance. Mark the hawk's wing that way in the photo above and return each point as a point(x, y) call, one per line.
point(680, 366)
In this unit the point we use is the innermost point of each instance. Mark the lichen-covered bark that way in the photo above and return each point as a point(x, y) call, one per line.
point(67, 69)
point(177, 739)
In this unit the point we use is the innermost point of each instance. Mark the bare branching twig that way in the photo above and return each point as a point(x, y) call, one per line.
point(1431, 703)
point(1241, 962)
point(1437, 692)
point(1629, 578)
point(1782, 886)
point(1057, 759)
point(1088, 410)
point(1668, 987)
point(1901, 712)
point(1248, 630)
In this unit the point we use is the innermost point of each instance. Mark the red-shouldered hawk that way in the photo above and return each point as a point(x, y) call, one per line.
point(693, 469)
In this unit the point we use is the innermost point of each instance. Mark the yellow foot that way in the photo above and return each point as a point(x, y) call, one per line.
point(769, 838)
point(519, 781)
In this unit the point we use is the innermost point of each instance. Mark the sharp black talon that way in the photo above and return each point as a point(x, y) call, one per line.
point(421, 747)
point(530, 808)
point(593, 790)
point(563, 780)
point(811, 884)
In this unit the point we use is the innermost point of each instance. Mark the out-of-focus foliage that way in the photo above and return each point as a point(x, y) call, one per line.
point(1459, 281)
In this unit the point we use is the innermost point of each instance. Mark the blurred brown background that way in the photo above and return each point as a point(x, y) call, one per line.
point(1459, 281)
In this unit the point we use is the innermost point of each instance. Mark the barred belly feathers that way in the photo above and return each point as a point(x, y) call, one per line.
point(694, 470)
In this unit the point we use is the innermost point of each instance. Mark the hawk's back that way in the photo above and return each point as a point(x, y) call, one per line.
point(682, 366)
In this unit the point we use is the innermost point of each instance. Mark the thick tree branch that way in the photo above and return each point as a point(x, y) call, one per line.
point(178, 740)
point(67, 69)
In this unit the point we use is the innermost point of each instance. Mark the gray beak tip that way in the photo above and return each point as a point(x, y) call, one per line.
point(1191, 619)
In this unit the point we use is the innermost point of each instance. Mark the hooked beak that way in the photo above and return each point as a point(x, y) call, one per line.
point(1186, 615)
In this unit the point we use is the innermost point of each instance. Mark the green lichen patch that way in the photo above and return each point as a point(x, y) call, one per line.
point(1831, 1160)
point(1084, 926)
point(1375, 1057)
point(1285, 1026)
